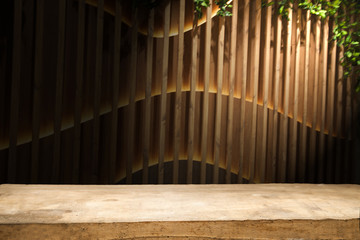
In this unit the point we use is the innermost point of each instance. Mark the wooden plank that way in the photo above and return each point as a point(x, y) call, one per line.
point(205, 113)
point(78, 92)
point(255, 65)
point(330, 106)
point(149, 66)
point(38, 78)
point(266, 81)
point(293, 140)
point(59, 93)
point(339, 126)
point(178, 91)
point(245, 42)
point(303, 162)
point(165, 66)
point(285, 116)
point(115, 93)
point(320, 175)
point(131, 106)
point(315, 100)
point(195, 38)
point(220, 71)
point(229, 142)
point(97, 92)
point(15, 91)
point(276, 98)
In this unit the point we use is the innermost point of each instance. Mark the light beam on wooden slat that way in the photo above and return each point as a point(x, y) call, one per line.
point(265, 93)
point(276, 98)
point(320, 175)
point(229, 142)
point(293, 140)
point(220, 70)
point(330, 104)
point(312, 164)
point(245, 42)
point(191, 129)
point(97, 91)
point(205, 113)
point(78, 92)
point(284, 126)
point(38, 77)
point(163, 92)
point(115, 93)
point(14, 110)
point(178, 91)
point(149, 66)
point(255, 64)
point(59, 93)
point(132, 90)
point(303, 145)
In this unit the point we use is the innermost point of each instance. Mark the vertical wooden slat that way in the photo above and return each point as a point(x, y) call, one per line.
point(348, 128)
point(115, 93)
point(255, 64)
point(164, 92)
point(229, 142)
point(78, 92)
point(302, 165)
point(320, 175)
point(191, 129)
point(276, 98)
point(58, 94)
point(220, 70)
point(339, 126)
point(178, 91)
point(293, 140)
point(131, 106)
point(38, 77)
point(285, 116)
point(149, 63)
point(330, 106)
point(97, 91)
point(265, 93)
point(245, 42)
point(312, 163)
point(205, 113)
point(15, 84)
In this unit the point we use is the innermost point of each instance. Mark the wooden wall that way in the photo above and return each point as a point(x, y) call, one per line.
point(89, 98)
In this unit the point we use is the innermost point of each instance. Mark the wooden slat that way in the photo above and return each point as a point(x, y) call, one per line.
point(132, 91)
point(229, 142)
point(315, 100)
point(265, 93)
point(205, 113)
point(293, 140)
point(255, 70)
point(191, 129)
point(149, 66)
point(165, 66)
point(115, 93)
point(320, 175)
point(59, 93)
point(285, 116)
point(78, 92)
point(330, 106)
point(302, 165)
point(38, 77)
point(15, 91)
point(245, 42)
point(179, 79)
point(276, 98)
point(220, 71)
point(97, 91)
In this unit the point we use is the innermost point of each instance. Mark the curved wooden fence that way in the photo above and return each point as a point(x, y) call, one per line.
point(105, 93)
